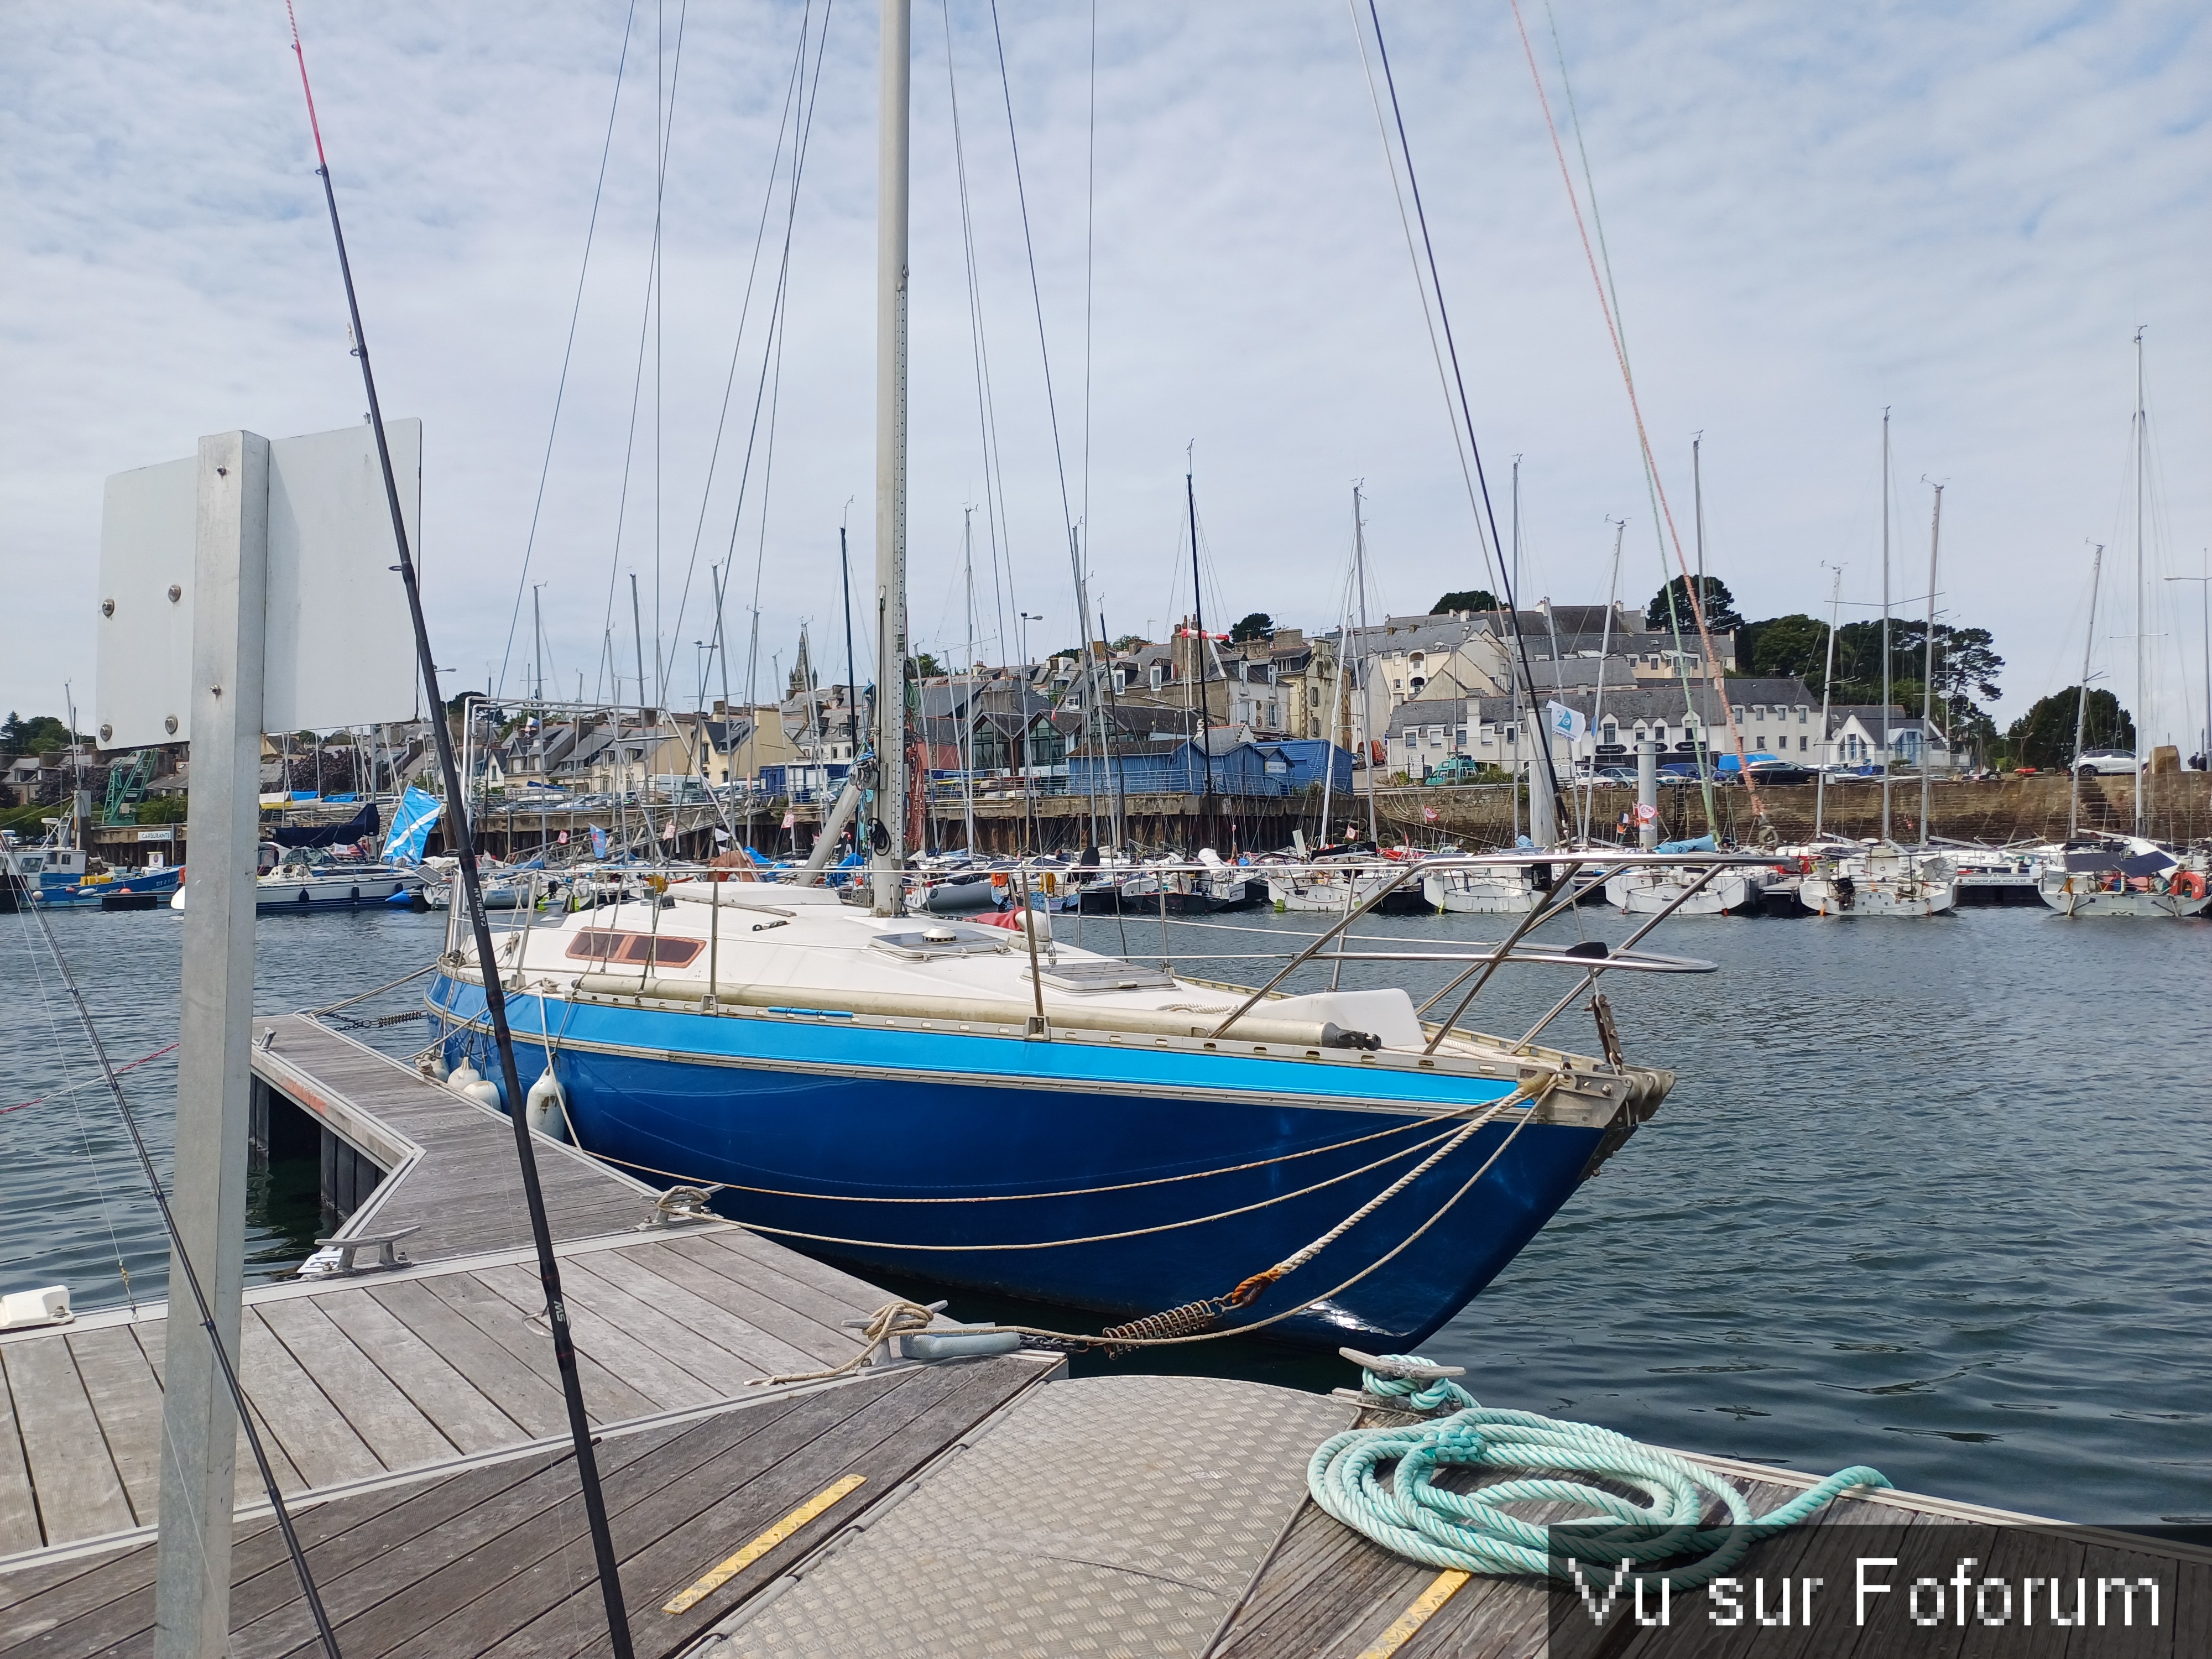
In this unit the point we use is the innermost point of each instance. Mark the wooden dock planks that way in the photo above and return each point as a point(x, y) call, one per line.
point(494, 1559)
point(358, 1378)
point(465, 1194)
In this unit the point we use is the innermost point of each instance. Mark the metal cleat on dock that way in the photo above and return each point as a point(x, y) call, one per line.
point(334, 1258)
point(1414, 1372)
point(678, 1206)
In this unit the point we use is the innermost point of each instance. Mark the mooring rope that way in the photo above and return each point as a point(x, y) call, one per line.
point(1471, 1532)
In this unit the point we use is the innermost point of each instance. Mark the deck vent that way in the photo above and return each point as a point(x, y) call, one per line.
point(942, 941)
point(1105, 976)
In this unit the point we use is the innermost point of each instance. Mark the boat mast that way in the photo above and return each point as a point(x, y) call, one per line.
point(2143, 713)
point(1698, 489)
point(894, 95)
point(1597, 703)
point(2082, 702)
point(1887, 746)
point(1514, 600)
point(1198, 643)
point(852, 697)
point(1928, 666)
point(1359, 674)
point(1828, 689)
point(967, 759)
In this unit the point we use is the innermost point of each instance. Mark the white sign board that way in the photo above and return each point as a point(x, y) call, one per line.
point(340, 647)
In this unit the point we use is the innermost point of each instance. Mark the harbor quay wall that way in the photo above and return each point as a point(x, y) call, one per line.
point(2178, 808)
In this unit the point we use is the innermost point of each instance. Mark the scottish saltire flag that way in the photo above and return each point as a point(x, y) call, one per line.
point(599, 841)
point(1566, 722)
point(411, 826)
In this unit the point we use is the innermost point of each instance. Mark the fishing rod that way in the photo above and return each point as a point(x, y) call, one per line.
point(541, 1232)
point(114, 1082)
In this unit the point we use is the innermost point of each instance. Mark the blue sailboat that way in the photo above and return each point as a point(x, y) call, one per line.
point(928, 1096)
point(983, 1106)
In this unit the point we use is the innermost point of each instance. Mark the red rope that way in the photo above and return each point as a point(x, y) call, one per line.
point(142, 1059)
point(1635, 409)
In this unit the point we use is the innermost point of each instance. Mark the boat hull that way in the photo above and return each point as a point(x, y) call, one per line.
point(1181, 1173)
point(1467, 894)
point(1833, 895)
point(146, 890)
point(2080, 895)
point(1646, 892)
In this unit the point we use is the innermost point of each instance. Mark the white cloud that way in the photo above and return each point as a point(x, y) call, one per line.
point(1962, 214)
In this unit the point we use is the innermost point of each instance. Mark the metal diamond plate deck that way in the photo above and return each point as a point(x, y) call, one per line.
point(1108, 1517)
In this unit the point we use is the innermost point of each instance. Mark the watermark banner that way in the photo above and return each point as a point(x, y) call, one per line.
point(1833, 1588)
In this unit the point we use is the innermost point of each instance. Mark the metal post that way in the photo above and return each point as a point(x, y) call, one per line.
point(1647, 794)
point(1928, 668)
point(191, 1596)
point(897, 88)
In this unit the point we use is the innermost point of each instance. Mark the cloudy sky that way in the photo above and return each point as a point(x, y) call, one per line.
point(1960, 213)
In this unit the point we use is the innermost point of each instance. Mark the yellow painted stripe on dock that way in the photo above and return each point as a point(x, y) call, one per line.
point(1441, 1589)
point(724, 1571)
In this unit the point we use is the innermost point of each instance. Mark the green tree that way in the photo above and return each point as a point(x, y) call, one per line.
point(41, 734)
point(1792, 645)
point(1966, 664)
point(1465, 599)
point(926, 666)
point(1257, 626)
point(2043, 737)
point(1670, 607)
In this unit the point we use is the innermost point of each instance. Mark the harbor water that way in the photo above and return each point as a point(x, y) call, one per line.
point(1926, 1195)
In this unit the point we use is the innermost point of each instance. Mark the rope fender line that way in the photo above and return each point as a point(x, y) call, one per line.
point(1472, 1532)
point(1196, 1316)
point(1086, 1192)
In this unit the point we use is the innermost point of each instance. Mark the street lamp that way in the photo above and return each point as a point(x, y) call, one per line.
point(1027, 617)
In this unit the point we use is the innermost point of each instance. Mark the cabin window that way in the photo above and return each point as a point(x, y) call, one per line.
point(596, 946)
point(642, 948)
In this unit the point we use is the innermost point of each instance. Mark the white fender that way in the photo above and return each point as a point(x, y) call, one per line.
point(546, 1108)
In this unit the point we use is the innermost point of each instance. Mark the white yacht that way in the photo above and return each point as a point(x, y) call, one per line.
point(2123, 875)
point(1878, 878)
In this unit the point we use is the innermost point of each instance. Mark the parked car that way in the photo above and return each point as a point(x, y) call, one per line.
point(2104, 762)
point(1778, 771)
point(1617, 774)
point(1454, 768)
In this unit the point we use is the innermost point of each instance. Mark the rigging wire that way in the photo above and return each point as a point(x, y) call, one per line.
point(636, 401)
point(796, 88)
point(607, 1562)
point(1608, 304)
point(236, 1389)
point(69, 1089)
point(1488, 515)
point(1075, 557)
point(998, 531)
point(568, 352)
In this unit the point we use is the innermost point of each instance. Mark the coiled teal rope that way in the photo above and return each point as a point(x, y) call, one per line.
point(1473, 1533)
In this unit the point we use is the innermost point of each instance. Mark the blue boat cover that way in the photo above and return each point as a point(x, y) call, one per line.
point(1702, 844)
point(361, 825)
